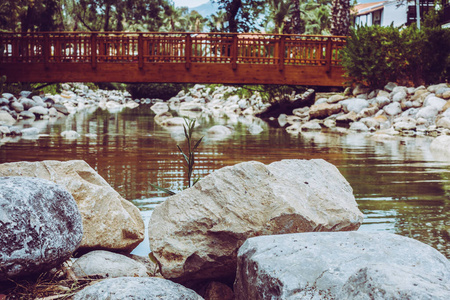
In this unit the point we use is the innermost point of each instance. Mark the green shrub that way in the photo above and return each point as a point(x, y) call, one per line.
point(375, 55)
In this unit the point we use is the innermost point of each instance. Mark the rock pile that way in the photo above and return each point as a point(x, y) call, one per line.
point(251, 224)
point(14, 111)
point(394, 110)
point(195, 234)
point(109, 221)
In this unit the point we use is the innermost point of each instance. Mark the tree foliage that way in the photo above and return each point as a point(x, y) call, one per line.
point(241, 15)
point(375, 55)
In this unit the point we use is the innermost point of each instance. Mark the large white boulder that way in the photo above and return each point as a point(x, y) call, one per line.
point(109, 221)
point(340, 265)
point(40, 226)
point(195, 234)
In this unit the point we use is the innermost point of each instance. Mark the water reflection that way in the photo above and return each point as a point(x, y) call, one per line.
point(399, 185)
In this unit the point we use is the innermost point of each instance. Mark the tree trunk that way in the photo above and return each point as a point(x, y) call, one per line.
point(340, 17)
point(234, 7)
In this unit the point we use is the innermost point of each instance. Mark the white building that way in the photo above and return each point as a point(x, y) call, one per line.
point(383, 13)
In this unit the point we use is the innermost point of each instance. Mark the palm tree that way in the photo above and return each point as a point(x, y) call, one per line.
point(340, 17)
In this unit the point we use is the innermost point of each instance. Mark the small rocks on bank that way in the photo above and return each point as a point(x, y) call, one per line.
point(75, 97)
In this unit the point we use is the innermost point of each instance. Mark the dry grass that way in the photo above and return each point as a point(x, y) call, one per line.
point(62, 284)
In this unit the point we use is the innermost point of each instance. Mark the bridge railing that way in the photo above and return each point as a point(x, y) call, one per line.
point(140, 48)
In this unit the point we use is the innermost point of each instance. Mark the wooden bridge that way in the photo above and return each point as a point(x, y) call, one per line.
point(171, 57)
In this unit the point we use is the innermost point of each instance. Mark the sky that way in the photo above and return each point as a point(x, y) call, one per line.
point(189, 3)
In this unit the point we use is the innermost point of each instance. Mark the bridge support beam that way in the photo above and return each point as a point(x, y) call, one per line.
point(174, 72)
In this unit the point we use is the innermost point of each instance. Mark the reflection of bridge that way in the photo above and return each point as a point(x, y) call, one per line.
point(171, 57)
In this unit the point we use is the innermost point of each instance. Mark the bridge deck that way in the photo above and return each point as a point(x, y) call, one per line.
point(171, 57)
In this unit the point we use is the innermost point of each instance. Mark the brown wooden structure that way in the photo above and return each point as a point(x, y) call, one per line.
point(171, 57)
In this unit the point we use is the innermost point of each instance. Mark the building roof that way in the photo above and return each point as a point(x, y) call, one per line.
point(367, 8)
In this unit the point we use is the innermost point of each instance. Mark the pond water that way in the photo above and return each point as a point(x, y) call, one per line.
point(399, 185)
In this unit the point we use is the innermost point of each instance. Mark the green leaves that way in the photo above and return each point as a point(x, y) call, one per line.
point(375, 55)
point(188, 157)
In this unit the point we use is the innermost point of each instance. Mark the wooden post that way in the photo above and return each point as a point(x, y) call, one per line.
point(328, 52)
point(188, 50)
point(46, 49)
point(234, 52)
point(141, 51)
point(94, 50)
point(281, 53)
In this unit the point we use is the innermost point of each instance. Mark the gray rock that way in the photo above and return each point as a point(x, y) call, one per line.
point(4, 130)
point(436, 102)
point(219, 131)
point(27, 115)
point(4, 102)
point(393, 109)
point(359, 126)
point(360, 89)
point(6, 118)
point(14, 130)
point(108, 264)
point(404, 126)
point(25, 94)
point(39, 111)
point(255, 129)
point(436, 87)
point(8, 96)
point(17, 106)
point(32, 131)
point(346, 119)
point(160, 108)
point(27, 103)
point(311, 126)
point(70, 134)
point(137, 289)
point(390, 86)
point(196, 233)
point(443, 122)
point(440, 146)
point(440, 92)
point(323, 110)
point(381, 281)
point(335, 99)
point(52, 112)
point(382, 101)
point(428, 112)
point(61, 108)
point(446, 113)
point(40, 226)
point(368, 112)
point(399, 96)
point(335, 266)
point(39, 102)
point(193, 106)
point(354, 104)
